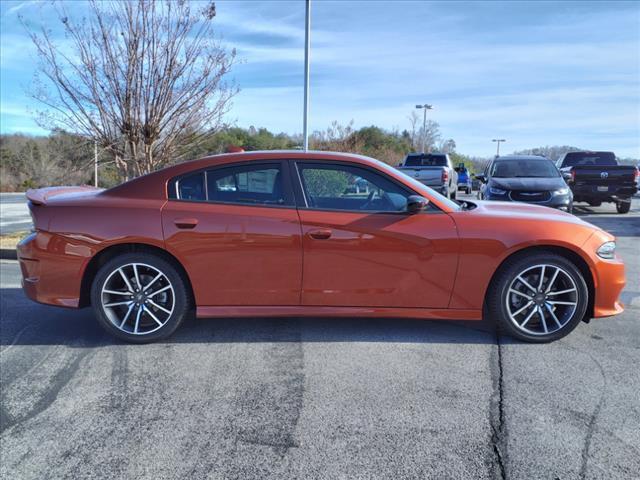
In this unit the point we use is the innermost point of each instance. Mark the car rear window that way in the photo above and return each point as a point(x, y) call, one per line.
point(251, 185)
point(428, 160)
point(191, 187)
point(573, 159)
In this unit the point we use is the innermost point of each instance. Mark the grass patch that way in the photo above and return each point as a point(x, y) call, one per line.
point(10, 240)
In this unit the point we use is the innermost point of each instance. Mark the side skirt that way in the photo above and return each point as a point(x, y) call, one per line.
point(313, 311)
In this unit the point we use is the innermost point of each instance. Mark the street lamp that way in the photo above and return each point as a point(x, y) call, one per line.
point(426, 107)
point(307, 48)
point(498, 140)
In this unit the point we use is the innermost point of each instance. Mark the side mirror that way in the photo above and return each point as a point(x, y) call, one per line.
point(416, 204)
point(567, 175)
point(482, 178)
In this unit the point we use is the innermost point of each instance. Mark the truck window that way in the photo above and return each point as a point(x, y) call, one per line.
point(573, 159)
point(428, 160)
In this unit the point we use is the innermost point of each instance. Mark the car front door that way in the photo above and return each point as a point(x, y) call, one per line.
point(361, 247)
point(236, 231)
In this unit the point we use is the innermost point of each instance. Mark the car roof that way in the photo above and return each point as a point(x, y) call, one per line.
point(153, 184)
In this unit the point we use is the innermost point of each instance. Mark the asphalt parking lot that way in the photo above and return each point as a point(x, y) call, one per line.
point(319, 398)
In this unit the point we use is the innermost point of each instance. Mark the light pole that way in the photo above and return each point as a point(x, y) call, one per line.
point(498, 140)
point(95, 162)
point(425, 107)
point(307, 47)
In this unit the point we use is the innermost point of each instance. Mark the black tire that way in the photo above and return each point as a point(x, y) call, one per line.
point(454, 195)
point(497, 298)
point(623, 207)
point(468, 191)
point(570, 208)
point(180, 294)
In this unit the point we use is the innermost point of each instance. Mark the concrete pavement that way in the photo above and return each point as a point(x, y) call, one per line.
point(14, 214)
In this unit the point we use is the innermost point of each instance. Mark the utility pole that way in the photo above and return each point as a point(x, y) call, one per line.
point(425, 107)
point(498, 141)
point(307, 47)
point(95, 162)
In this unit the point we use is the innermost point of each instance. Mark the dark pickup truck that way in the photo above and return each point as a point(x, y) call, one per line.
point(596, 177)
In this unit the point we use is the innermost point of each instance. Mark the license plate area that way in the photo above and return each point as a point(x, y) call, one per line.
point(603, 189)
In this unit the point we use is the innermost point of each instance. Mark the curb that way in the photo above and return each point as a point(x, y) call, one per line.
point(8, 254)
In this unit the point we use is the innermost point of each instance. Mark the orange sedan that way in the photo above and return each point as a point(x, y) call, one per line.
point(311, 233)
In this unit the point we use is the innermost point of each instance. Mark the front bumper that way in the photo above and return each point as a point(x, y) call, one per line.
point(561, 202)
point(608, 277)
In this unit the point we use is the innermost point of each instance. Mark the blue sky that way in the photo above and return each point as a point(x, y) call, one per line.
point(535, 73)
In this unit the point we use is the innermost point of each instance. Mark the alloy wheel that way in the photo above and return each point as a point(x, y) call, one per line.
point(542, 299)
point(137, 298)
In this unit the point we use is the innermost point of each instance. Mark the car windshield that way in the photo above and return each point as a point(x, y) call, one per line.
point(426, 160)
point(589, 158)
point(515, 168)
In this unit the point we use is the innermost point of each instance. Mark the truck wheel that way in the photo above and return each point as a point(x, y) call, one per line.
point(623, 206)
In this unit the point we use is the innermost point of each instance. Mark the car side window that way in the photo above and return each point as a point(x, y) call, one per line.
point(343, 187)
point(191, 187)
point(248, 184)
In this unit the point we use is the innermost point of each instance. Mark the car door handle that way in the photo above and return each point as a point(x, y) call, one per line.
point(186, 222)
point(321, 234)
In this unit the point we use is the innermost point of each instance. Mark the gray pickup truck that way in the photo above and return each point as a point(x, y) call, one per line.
point(435, 170)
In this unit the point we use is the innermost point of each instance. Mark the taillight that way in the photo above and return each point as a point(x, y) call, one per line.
point(573, 175)
point(445, 176)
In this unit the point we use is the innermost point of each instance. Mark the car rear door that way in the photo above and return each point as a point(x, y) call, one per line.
point(236, 231)
point(361, 248)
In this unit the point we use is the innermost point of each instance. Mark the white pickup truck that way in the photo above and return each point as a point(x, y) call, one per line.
point(435, 170)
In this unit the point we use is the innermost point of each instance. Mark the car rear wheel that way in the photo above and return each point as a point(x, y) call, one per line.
point(538, 298)
point(623, 206)
point(139, 297)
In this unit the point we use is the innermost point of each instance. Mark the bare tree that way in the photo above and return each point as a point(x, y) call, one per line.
point(143, 77)
point(414, 118)
point(431, 133)
point(448, 146)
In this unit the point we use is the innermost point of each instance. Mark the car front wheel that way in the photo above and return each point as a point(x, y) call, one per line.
point(538, 298)
point(139, 297)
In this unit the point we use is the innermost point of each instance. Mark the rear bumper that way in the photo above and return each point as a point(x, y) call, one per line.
point(613, 192)
point(51, 271)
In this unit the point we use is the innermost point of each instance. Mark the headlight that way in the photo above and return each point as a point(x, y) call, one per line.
point(562, 191)
point(497, 191)
point(607, 250)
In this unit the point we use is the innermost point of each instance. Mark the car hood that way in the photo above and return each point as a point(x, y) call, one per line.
point(526, 184)
point(525, 211)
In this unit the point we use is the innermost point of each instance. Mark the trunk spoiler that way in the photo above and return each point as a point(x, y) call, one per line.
point(40, 196)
